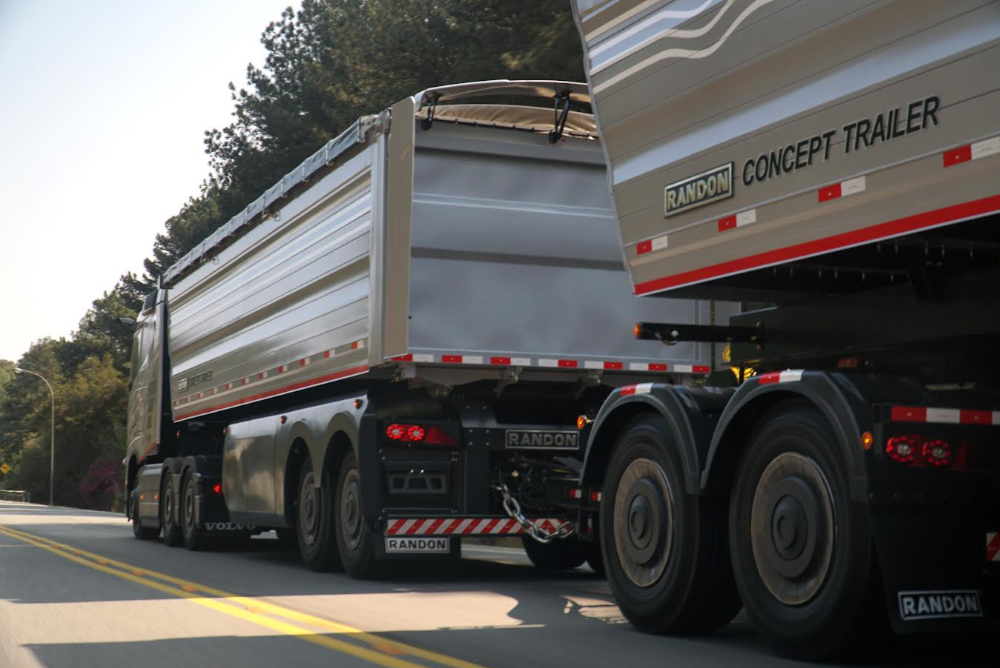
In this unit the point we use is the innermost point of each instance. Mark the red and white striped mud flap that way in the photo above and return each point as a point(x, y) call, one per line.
point(993, 547)
point(463, 526)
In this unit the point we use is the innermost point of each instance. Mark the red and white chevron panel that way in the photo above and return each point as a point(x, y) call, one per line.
point(788, 376)
point(944, 415)
point(993, 546)
point(463, 526)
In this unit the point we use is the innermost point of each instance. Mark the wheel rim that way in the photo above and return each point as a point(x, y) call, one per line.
point(350, 509)
point(309, 510)
point(189, 507)
point(792, 528)
point(168, 506)
point(644, 522)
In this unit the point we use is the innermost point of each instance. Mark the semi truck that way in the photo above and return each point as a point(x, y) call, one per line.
point(834, 167)
point(389, 351)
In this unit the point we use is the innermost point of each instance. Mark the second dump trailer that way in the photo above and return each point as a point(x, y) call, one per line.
point(389, 350)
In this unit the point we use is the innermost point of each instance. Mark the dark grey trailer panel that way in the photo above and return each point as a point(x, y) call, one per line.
point(743, 134)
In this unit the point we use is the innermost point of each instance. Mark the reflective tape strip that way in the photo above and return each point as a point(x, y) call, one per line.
point(651, 245)
point(842, 189)
point(944, 415)
point(552, 363)
point(974, 151)
point(469, 526)
point(788, 376)
point(643, 388)
point(993, 546)
point(741, 219)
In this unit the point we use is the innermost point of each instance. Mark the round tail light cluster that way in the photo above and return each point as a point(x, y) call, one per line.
point(914, 450)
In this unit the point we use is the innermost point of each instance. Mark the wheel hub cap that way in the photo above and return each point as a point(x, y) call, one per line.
point(792, 528)
point(643, 522)
point(308, 509)
point(350, 509)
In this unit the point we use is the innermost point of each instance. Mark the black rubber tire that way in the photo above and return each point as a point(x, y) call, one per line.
point(595, 558)
point(314, 522)
point(194, 536)
point(690, 587)
point(834, 605)
point(354, 538)
point(562, 554)
point(139, 531)
point(173, 536)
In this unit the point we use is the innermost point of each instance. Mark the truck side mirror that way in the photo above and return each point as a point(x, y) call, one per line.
point(128, 322)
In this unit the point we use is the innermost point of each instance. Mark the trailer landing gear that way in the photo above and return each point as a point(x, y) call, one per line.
point(664, 550)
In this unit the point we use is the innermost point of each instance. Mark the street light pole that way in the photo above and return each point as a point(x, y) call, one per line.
point(52, 449)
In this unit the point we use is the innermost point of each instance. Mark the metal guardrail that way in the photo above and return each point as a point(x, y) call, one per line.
point(15, 495)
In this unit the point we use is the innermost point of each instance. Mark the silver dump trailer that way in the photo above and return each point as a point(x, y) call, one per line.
point(835, 167)
point(390, 349)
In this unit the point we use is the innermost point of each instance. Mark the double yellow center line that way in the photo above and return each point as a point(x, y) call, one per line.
point(358, 643)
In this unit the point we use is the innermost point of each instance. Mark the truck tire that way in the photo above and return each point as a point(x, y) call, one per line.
point(139, 531)
point(173, 535)
point(314, 522)
point(194, 536)
point(802, 552)
point(354, 538)
point(562, 554)
point(664, 550)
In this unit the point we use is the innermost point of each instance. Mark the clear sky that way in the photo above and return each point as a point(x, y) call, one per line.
point(103, 106)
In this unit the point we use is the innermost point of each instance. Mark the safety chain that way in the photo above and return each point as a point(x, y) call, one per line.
point(513, 508)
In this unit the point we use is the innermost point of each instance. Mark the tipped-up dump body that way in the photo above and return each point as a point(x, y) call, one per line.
point(759, 148)
point(835, 166)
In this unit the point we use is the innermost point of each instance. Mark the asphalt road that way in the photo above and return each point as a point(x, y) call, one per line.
point(77, 590)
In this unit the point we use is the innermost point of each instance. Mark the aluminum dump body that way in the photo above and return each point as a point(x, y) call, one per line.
point(448, 235)
point(746, 134)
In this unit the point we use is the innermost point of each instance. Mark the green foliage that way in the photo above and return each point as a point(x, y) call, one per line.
point(327, 64)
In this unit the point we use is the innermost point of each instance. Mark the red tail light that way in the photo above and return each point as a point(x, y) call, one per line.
point(936, 453)
point(902, 449)
point(920, 452)
point(217, 489)
point(415, 433)
point(396, 432)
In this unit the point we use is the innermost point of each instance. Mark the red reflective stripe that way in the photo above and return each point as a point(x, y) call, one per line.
point(727, 223)
point(451, 359)
point(993, 547)
point(567, 364)
point(472, 526)
point(657, 367)
point(326, 354)
point(393, 527)
point(908, 414)
point(702, 369)
point(499, 360)
point(888, 229)
point(975, 417)
point(281, 390)
point(957, 155)
point(830, 192)
point(434, 525)
point(403, 358)
point(613, 365)
point(644, 247)
point(768, 378)
point(354, 345)
point(627, 390)
point(489, 526)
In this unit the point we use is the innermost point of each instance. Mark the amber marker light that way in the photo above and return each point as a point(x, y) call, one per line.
point(867, 440)
point(582, 422)
point(637, 330)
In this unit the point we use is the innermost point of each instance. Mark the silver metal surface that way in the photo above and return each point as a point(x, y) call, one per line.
point(815, 530)
point(684, 86)
point(644, 522)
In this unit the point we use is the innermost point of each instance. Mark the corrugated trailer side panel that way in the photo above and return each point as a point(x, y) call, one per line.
point(286, 306)
point(843, 122)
